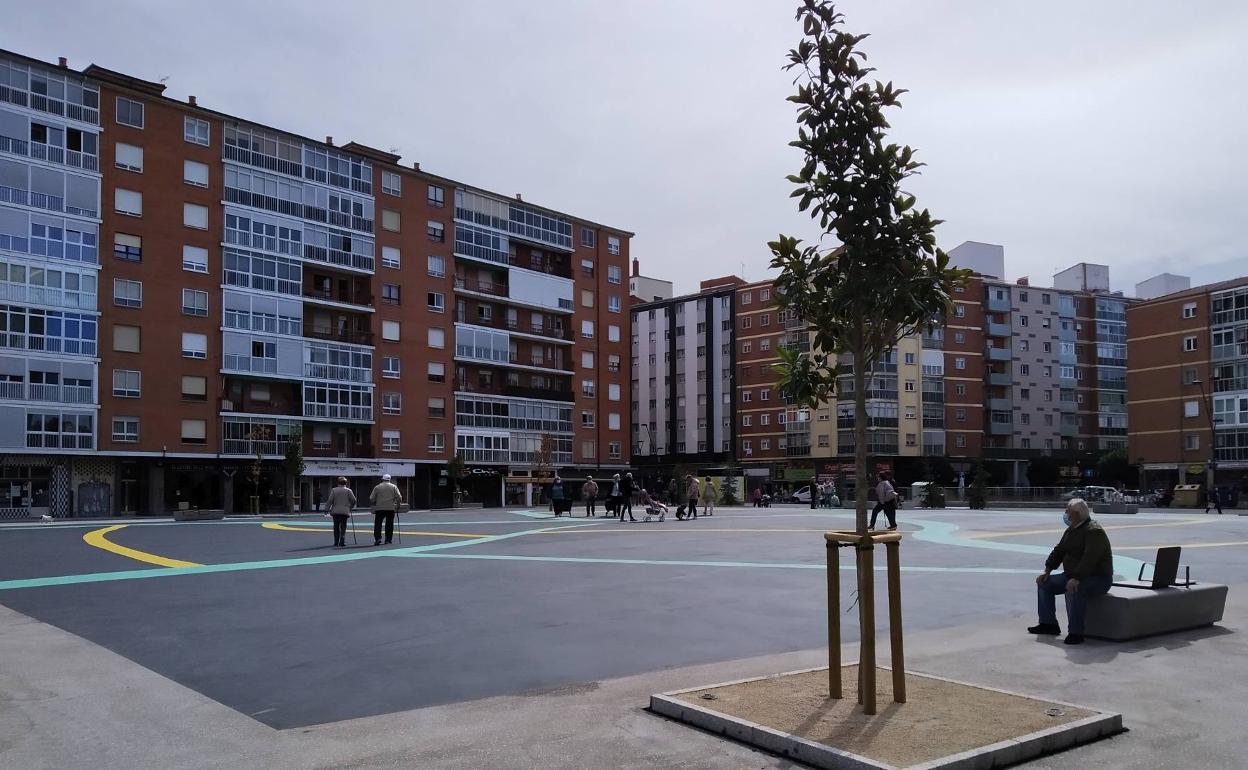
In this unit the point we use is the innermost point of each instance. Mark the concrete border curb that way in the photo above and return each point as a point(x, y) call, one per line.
point(1101, 724)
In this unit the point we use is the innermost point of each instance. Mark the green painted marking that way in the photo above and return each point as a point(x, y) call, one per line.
point(682, 563)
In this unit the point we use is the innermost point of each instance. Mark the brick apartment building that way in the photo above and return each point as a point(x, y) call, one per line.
point(1188, 382)
point(267, 286)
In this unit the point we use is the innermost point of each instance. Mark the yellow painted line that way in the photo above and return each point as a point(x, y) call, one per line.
point(990, 535)
point(326, 530)
point(1182, 545)
point(99, 539)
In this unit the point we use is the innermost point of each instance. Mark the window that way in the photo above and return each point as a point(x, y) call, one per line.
point(390, 440)
point(194, 345)
point(1048, 395)
point(128, 247)
point(747, 346)
point(959, 389)
point(1048, 371)
point(436, 371)
point(746, 297)
point(434, 230)
point(195, 131)
point(390, 293)
point(128, 202)
point(1024, 345)
point(587, 298)
point(437, 407)
point(194, 431)
point(746, 396)
point(195, 302)
point(959, 440)
point(1046, 299)
point(127, 293)
point(587, 387)
point(747, 322)
point(1024, 394)
point(765, 318)
point(613, 450)
point(959, 362)
point(747, 420)
point(1022, 296)
point(959, 311)
point(1191, 408)
point(587, 267)
point(764, 444)
point(435, 196)
point(435, 301)
point(614, 274)
point(909, 386)
point(1026, 443)
point(587, 359)
point(127, 383)
point(129, 157)
point(1190, 375)
point(587, 450)
point(959, 337)
point(1047, 323)
point(194, 215)
point(391, 403)
point(909, 358)
point(764, 419)
point(129, 112)
point(390, 220)
point(391, 183)
point(390, 367)
point(910, 413)
point(1024, 370)
point(747, 446)
point(195, 173)
point(437, 441)
point(390, 257)
point(587, 329)
point(194, 388)
point(1189, 309)
point(437, 266)
point(1192, 441)
point(1189, 344)
point(126, 339)
point(587, 419)
point(764, 394)
point(437, 337)
point(613, 363)
point(911, 439)
point(613, 244)
point(194, 259)
point(125, 430)
point(613, 333)
point(1047, 347)
point(613, 392)
point(613, 303)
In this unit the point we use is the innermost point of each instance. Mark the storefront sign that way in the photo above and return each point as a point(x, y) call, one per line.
point(359, 468)
point(1196, 468)
point(797, 474)
point(482, 472)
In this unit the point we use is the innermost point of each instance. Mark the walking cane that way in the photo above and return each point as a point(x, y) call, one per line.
point(351, 518)
point(397, 525)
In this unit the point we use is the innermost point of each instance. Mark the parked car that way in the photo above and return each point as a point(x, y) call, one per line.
point(801, 496)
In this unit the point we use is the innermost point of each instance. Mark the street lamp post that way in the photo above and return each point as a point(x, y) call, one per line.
point(1213, 441)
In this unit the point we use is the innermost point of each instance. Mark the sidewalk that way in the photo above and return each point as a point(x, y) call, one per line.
point(74, 704)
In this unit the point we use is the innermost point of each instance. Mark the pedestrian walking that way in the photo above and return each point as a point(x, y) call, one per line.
point(709, 493)
point(590, 490)
point(1213, 499)
point(558, 497)
point(626, 497)
point(886, 500)
point(757, 497)
point(691, 492)
point(386, 499)
point(613, 499)
point(341, 502)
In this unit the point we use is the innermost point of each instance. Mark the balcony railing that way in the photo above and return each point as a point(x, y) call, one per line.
point(496, 288)
point(999, 354)
point(346, 297)
point(14, 146)
point(352, 336)
point(36, 391)
point(545, 329)
point(339, 412)
point(336, 372)
point(998, 330)
point(518, 391)
point(44, 295)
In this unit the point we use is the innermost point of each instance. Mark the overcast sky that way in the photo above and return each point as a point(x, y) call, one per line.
point(1108, 132)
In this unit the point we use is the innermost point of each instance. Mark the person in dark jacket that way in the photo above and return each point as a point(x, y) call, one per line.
point(626, 497)
point(558, 497)
point(1214, 498)
point(1087, 563)
point(341, 501)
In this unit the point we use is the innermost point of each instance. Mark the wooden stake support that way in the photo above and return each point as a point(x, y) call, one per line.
point(864, 551)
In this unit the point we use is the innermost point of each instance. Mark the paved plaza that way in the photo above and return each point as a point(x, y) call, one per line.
point(507, 638)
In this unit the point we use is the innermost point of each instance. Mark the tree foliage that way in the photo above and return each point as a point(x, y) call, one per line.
point(1043, 471)
point(881, 276)
point(977, 492)
point(933, 493)
point(1114, 467)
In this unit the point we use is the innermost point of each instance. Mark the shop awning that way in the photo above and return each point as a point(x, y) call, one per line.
point(353, 468)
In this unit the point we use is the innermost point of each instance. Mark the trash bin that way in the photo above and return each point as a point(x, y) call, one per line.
point(1187, 496)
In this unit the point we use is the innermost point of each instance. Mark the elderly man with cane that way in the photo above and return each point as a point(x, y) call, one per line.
point(341, 502)
point(386, 499)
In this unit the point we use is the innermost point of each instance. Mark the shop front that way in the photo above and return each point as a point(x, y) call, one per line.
point(24, 490)
point(320, 476)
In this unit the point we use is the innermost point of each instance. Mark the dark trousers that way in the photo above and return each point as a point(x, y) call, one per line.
point(589, 506)
point(693, 507)
point(340, 528)
point(626, 506)
point(378, 518)
point(1216, 502)
point(890, 510)
point(1076, 603)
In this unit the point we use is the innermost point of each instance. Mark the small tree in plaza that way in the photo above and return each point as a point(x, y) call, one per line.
point(728, 487)
point(295, 466)
point(977, 493)
point(454, 472)
point(933, 493)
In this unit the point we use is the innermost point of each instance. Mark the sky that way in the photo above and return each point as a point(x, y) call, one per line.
point(1107, 132)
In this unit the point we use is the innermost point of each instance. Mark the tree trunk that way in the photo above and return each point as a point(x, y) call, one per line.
point(860, 433)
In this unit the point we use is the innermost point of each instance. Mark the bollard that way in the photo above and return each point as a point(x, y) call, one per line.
point(834, 621)
point(894, 621)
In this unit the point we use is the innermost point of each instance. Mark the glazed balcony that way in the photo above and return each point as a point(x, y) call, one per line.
point(348, 335)
point(499, 387)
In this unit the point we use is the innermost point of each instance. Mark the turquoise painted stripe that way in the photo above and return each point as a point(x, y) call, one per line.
point(845, 567)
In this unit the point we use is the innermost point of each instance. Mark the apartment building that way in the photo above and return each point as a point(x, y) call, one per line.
point(268, 288)
point(683, 381)
point(1187, 375)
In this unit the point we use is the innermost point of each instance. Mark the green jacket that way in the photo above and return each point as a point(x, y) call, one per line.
point(1083, 550)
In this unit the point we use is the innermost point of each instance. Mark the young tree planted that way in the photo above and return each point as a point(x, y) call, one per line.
point(876, 275)
point(977, 493)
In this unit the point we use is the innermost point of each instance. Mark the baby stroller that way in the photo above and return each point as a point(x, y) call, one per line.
point(654, 509)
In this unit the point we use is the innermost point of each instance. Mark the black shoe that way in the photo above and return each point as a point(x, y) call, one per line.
point(1073, 639)
point(376, 542)
point(1047, 629)
point(387, 542)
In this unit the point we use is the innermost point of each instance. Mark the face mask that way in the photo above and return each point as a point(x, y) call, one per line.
point(1066, 518)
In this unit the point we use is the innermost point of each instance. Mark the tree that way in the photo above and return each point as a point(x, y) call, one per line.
point(256, 438)
point(1043, 471)
point(294, 463)
point(885, 279)
point(728, 488)
point(1115, 468)
point(933, 493)
point(543, 458)
point(977, 493)
point(455, 471)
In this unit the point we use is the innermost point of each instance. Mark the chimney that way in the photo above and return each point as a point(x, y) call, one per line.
point(62, 62)
point(636, 267)
point(329, 140)
point(192, 101)
point(415, 166)
point(519, 198)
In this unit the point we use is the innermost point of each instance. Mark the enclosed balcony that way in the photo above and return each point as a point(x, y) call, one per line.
point(995, 329)
point(517, 385)
point(334, 289)
point(996, 353)
point(1000, 404)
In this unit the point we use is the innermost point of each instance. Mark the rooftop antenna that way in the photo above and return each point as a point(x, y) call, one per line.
point(395, 151)
point(164, 80)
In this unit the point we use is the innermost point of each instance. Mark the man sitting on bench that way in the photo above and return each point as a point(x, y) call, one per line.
point(1087, 570)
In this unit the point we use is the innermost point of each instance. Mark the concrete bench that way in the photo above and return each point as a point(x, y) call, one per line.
point(1131, 612)
point(1116, 506)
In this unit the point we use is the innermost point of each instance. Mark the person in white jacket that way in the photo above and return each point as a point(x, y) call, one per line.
point(386, 499)
point(886, 497)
